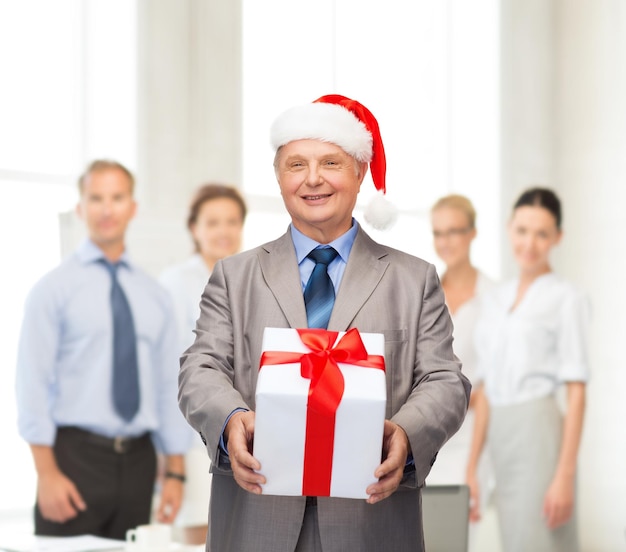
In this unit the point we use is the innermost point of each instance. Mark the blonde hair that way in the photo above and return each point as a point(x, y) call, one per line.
point(456, 201)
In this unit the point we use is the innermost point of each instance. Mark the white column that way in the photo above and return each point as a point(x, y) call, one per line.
point(189, 122)
point(527, 103)
point(215, 87)
point(163, 101)
point(526, 137)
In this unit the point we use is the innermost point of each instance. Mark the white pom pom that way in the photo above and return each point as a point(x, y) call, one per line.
point(380, 213)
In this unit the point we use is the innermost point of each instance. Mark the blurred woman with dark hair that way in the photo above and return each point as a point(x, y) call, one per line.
point(531, 340)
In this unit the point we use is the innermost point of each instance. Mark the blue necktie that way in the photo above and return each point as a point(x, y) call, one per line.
point(125, 371)
point(319, 294)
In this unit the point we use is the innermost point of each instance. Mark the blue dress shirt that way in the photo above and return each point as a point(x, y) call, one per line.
point(304, 245)
point(64, 366)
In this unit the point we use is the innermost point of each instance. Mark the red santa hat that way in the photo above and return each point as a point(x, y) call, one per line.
point(352, 127)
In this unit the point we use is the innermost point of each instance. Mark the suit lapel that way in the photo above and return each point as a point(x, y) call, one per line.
point(366, 266)
point(280, 270)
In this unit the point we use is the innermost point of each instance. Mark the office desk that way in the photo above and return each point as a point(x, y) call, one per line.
point(24, 542)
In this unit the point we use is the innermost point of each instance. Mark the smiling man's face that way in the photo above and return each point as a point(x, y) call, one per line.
point(319, 183)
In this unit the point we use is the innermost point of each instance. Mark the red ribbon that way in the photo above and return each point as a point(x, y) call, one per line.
point(325, 392)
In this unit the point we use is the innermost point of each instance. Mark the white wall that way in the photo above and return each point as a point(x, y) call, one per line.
point(590, 174)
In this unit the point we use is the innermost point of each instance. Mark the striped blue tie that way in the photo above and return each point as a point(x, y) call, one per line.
point(319, 294)
point(125, 370)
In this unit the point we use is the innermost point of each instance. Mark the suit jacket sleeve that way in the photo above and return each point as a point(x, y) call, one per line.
point(206, 391)
point(436, 406)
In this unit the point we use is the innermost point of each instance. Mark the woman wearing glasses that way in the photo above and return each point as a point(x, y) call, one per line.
point(531, 341)
point(453, 220)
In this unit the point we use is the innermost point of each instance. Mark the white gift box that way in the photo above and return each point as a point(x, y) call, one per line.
point(281, 420)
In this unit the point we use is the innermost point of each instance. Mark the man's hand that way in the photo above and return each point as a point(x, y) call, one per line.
point(58, 498)
point(239, 433)
point(396, 450)
point(171, 499)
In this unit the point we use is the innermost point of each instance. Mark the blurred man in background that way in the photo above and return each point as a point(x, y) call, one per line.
point(96, 377)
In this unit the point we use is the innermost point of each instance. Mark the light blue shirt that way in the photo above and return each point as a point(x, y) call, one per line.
point(304, 245)
point(64, 366)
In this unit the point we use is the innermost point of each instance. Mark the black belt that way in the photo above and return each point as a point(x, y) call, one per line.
point(120, 445)
point(311, 501)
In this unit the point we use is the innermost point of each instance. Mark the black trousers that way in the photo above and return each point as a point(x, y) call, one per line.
point(115, 478)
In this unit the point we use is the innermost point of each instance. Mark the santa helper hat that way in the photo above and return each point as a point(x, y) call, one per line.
point(352, 127)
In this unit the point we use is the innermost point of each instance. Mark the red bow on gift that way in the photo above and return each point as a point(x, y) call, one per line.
point(325, 392)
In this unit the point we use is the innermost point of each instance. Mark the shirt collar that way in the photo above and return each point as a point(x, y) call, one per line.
point(88, 252)
point(343, 244)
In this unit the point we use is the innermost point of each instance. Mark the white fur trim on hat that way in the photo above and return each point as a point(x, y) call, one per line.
point(326, 122)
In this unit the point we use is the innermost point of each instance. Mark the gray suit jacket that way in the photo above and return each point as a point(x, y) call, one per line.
point(383, 290)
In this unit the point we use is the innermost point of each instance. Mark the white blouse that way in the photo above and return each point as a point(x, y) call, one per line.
point(464, 320)
point(526, 353)
point(449, 469)
point(186, 282)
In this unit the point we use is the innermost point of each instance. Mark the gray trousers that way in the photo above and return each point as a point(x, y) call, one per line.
point(524, 442)
point(309, 540)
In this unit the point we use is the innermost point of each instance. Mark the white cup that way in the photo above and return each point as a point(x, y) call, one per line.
point(151, 537)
